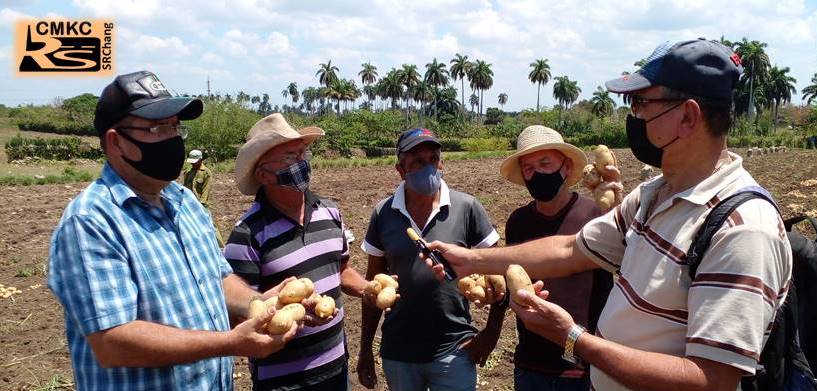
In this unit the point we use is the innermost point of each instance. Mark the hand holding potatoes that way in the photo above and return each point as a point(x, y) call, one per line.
point(251, 338)
point(482, 289)
point(518, 279)
point(381, 292)
point(602, 178)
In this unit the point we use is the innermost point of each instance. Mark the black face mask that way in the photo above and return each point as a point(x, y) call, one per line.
point(162, 160)
point(544, 187)
point(641, 146)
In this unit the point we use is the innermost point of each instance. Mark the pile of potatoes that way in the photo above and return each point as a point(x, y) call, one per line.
point(475, 288)
point(288, 306)
point(593, 175)
point(7, 291)
point(384, 287)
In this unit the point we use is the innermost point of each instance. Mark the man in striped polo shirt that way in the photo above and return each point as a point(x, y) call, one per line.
point(290, 231)
point(660, 329)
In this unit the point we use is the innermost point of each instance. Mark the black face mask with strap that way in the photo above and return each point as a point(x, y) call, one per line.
point(544, 187)
point(162, 160)
point(640, 145)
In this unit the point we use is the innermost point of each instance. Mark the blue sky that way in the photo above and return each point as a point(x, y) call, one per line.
point(259, 46)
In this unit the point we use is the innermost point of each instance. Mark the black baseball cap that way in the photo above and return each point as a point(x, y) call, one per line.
point(141, 94)
point(413, 137)
point(699, 67)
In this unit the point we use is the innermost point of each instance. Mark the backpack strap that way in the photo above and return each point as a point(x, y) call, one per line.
point(715, 219)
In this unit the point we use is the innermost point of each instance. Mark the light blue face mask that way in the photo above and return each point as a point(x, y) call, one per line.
point(426, 181)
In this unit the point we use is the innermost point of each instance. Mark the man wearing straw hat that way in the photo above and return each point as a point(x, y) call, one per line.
point(548, 167)
point(289, 231)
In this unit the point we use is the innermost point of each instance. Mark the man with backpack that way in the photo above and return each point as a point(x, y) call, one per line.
point(662, 328)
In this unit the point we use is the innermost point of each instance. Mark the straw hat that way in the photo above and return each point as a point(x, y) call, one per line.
point(267, 133)
point(536, 138)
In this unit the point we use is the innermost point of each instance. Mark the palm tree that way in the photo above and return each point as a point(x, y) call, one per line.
point(603, 104)
point(436, 76)
point(474, 101)
point(292, 88)
point(422, 94)
point(482, 78)
point(327, 73)
point(566, 92)
point(368, 75)
point(810, 91)
point(503, 98)
point(410, 78)
point(756, 62)
point(459, 69)
point(780, 87)
point(285, 94)
point(391, 86)
point(539, 75)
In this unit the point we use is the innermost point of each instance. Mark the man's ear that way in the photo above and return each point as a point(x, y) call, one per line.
point(111, 141)
point(692, 118)
point(400, 170)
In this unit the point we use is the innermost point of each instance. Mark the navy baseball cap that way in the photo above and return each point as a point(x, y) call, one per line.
point(413, 137)
point(699, 67)
point(141, 94)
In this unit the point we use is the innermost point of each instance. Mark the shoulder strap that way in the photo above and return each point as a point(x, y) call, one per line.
point(715, 219)
point(789, 223)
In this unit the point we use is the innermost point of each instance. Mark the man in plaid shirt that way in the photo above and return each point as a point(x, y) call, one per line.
point(135, 264)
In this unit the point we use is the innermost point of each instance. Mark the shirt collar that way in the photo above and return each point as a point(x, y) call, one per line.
point(122, 192)
point(399, 201)
point(727, 168)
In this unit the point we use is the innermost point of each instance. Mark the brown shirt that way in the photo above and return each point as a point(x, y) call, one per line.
point(582, 295)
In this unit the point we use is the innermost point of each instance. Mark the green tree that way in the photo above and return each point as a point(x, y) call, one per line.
point(603, 104)
point(810, 91)
point(482, 78)
point(565, 91)
point(756, 66)
point(474, 101)
point(410, 77)
point(780, 88)
point(503, 98)
point(368, 76)
point(436, 76)
point(292, 88)
point(459, 70)
point(327, 73)
point(539, 75)
point(391, 86)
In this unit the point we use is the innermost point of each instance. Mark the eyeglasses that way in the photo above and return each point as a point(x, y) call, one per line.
point(291, 158)
point(640, 101)
point(164, 129)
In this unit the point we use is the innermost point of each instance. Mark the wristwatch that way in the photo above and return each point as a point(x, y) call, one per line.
point(572, 336)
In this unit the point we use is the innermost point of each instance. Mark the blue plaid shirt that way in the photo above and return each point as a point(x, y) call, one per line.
point(115, 259)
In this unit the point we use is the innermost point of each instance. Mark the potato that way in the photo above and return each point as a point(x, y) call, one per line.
point(325, 307)
point(465, 284)
point(373, 287)
point(590, 177)
point(386, 297)
point(310, 287)
point(605, 198)
point(295, 292)
point(497, 283)
point(257, 308)
point(517, 278)
point(604, 157)
point(386, 280)
point(283, 319)
point(273, 302)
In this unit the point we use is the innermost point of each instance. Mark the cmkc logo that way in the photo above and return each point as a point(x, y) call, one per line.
point(67, 47)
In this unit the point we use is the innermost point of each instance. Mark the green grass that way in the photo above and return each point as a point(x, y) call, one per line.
point(68, 175)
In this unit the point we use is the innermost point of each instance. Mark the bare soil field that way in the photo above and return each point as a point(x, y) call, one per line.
point(32, 338)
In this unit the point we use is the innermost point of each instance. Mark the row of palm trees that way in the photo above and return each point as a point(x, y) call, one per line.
point(761, 86)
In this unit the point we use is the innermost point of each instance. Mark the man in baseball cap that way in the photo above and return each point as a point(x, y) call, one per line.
point(427, 340)
point(662, 328)
point(134, 259)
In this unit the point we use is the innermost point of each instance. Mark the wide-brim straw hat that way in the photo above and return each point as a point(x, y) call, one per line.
point(537, 138)
point(270, 131)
